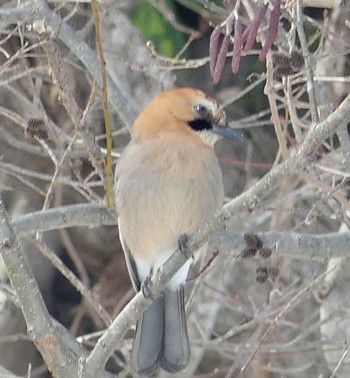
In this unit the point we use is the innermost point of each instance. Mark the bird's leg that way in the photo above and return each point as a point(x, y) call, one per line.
point(183, 244)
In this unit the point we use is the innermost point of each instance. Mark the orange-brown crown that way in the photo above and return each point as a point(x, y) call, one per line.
point(183, 111)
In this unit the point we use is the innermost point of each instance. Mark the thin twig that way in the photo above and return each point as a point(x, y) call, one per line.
point(346, 351)
point(73, 279)
point(308, 64)
point(65, 89)
point(107, 116)
point(61, 30)
point(281, 313)
point(270, 92)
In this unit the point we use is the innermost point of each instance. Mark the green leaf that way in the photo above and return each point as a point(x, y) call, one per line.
point(153, 26)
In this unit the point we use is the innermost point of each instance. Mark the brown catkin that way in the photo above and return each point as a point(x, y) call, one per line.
point(261, 274)
point(265, 252)
point(214, 47)
point(254, 27)
point(273, 30)
point(221, 59)
point(237, 46)
point(248, 252)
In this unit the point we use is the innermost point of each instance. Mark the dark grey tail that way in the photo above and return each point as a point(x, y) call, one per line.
point(147, 350)
point(161, 338)
point(176, 353)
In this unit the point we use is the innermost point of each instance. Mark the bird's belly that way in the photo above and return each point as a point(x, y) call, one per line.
point(165, 190)
point(155, 210)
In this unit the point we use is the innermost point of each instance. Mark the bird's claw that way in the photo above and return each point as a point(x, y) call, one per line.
point(146, 289)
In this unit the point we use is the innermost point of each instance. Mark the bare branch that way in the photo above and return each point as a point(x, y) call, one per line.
point(51, 344)
point(38, 9)
point(300, 246)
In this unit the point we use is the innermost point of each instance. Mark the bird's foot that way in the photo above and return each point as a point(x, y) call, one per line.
point(145, 288)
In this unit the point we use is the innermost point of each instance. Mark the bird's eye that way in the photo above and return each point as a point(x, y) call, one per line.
point(201, 110)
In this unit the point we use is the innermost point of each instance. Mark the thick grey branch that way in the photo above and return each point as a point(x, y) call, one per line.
point(300, 246)
point(60, 359)
point(63, 217)
point(297, 246)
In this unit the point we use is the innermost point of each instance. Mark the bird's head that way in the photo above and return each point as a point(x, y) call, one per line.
point(183, 112)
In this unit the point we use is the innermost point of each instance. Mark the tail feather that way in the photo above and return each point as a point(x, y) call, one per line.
point(161, 338)
point(176, 353)
point(147, 349)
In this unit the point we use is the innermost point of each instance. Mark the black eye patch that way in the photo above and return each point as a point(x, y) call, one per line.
point(200, 124)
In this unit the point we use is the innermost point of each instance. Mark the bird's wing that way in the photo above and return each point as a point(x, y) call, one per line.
point(130, 263)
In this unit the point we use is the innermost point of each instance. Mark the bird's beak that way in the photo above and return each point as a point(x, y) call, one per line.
point(227, 132)
point(221, 128)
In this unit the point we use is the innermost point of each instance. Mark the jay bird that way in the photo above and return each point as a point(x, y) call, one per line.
point(168, 182)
